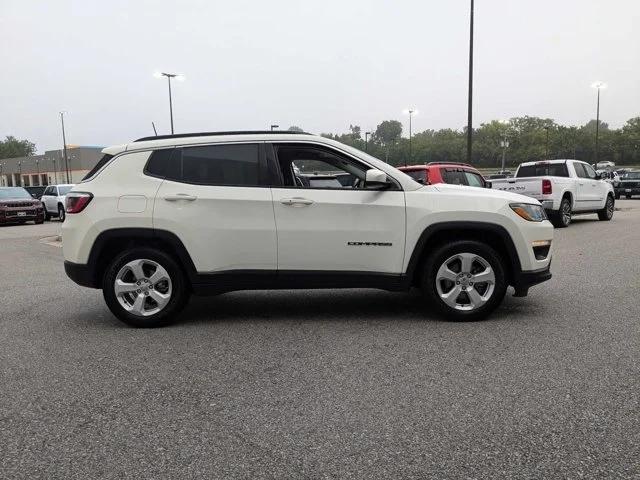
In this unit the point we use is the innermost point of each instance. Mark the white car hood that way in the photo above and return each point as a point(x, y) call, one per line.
point(475, 192)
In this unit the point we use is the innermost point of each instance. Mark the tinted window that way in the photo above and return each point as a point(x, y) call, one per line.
point(101, 163)
point(417, 175)
point(158, 165)
point(474, 180)
point(454, 177)
point(221, 165)
point(543, 170)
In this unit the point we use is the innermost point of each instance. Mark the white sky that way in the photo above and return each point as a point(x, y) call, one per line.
point(320, 65)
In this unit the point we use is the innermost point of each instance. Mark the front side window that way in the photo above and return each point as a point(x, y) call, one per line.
point(579, 168)
point(589, 171)
point(454, 177)
point(474, 180)
point(310, 167)
point(64, 190)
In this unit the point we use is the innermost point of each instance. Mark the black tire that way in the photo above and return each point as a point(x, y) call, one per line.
point(47, 216)
point(39, 221)
point(179, 289)
point(429, 284)
point(617, 195)
point(628, 197)
point(61, 213)
point(606, 213)
point(562, 218)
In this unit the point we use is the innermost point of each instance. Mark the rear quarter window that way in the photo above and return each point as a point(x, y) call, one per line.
point(101, 163)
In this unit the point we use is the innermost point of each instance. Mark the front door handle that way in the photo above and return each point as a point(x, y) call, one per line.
point(180, 196)
point(296, 201)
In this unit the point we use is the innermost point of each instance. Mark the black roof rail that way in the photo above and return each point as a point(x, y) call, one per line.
point(449, 163)
point(210, 134)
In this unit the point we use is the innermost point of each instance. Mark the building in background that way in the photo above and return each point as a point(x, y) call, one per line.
point(50, 168)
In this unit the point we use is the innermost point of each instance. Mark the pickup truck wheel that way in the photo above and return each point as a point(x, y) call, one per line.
point(562, 218)
point(606, 213)
point(61, 213)
point(464, 280)
point(144, 287)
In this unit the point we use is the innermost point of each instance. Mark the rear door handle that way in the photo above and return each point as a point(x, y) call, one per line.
point(180, 196)
point(296, 201)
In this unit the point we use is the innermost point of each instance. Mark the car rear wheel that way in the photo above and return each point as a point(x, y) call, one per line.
point(562, 218)
point(61, 213)
point(144, 287)
point(464, 280)
point(606, 213)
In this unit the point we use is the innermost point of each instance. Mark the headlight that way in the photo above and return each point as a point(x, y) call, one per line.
point(531, 213)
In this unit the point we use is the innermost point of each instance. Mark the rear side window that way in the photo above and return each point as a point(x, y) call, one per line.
point(101, 163)
point(543, 170)
point(230, 165)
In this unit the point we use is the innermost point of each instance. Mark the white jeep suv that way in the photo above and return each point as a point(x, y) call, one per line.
point(163, 217)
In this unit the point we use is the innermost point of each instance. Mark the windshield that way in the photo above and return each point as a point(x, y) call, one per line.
point(631, 176)
point(13, 192)
point(63, 190)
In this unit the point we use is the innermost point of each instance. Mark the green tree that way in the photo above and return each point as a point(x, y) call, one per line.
point(388, 132)
point(294, 128)
point(11, 147)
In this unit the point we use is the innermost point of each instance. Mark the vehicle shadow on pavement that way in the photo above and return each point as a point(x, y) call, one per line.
point(323, 305)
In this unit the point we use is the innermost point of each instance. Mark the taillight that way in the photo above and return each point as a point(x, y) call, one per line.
point(546, 187)
point(77, 201)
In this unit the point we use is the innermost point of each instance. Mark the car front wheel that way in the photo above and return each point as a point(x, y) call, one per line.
point(61, 213)
point(144, 287)
point(464, 280)
point(606, 213)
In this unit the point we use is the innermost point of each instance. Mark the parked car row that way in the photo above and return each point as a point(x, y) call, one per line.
point(36, 204)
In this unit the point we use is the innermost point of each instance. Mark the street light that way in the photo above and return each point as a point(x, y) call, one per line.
point(504, 143)
point(273, 127)
point(410, 111)
point(366, 140)
point(598, 86)
point(64, 146)
point(169, 76)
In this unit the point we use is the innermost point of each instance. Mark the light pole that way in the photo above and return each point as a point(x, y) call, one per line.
point(410, 112)
point(546, 145)
point(38, 169)
point(366, 140)
point(169, 76)
point(1, 176)
point(598, 86)
point(19, 174)
point(64, 147)
point(504, 143)
point(469, 108)
point(273, 127)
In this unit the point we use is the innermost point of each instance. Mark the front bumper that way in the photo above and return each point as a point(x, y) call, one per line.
point(524, 280)
point(11, 216)
point(627, 191)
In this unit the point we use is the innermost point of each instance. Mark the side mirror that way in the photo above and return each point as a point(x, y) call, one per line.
point(376, 179)
point(487, 184)
point(598, 176)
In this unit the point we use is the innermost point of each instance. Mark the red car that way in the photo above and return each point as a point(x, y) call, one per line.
point(446, 172)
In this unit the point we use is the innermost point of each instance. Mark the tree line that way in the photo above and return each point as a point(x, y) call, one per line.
point(529, 138)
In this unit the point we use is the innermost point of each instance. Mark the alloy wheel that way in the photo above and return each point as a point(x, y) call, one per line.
point(465, 281)
point(143, 287)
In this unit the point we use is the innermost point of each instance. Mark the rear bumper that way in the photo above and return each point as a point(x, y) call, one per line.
point(80, 273)
point(523, 281)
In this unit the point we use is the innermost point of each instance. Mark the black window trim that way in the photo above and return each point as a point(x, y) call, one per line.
point(274, 165)
point(264, 174)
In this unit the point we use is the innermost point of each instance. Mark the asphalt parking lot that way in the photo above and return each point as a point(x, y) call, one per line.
point(326, 384)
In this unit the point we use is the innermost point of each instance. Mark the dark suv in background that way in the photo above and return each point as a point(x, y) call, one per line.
point(18, 206)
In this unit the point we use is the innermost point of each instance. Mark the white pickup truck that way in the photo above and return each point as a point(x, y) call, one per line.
point(563, 187)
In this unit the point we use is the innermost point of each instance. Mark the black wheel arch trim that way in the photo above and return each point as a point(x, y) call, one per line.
point(514, 267)
point(90, 277)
